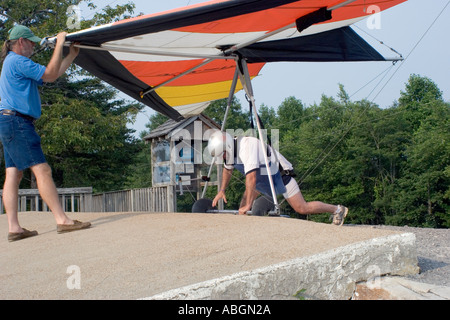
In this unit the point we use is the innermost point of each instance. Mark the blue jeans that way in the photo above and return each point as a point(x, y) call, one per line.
point(21, 144)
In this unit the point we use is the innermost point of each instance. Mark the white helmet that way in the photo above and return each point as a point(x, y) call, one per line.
point(220, 142)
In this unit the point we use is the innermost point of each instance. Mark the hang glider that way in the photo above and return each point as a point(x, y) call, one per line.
point(176, 62)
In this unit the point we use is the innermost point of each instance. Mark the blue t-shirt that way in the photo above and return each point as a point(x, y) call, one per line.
point(19, 83)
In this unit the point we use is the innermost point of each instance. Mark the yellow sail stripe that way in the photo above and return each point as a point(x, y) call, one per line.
point(183, 95)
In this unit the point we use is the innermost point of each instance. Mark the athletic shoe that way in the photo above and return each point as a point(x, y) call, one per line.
point(339, 215)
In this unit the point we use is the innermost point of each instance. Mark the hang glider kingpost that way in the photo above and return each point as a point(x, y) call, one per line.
point(176, 62)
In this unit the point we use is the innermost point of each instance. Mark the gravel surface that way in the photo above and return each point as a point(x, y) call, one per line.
point(433, 252)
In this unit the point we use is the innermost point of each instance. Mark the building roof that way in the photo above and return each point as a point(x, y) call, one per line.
point(170, 126)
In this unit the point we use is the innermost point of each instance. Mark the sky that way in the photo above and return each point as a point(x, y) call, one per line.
point(405, 28)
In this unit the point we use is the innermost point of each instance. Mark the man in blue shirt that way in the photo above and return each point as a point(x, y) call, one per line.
point(20, 105)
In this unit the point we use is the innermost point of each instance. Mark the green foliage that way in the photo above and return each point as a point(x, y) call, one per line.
point(84, 124)
point(238, 117)
point(423, 200)
point(389, 166)
point(300, 294)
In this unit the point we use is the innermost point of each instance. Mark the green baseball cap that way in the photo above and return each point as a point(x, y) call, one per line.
point(20, 31)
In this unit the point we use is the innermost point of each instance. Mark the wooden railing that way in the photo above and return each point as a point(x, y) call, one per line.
point(154, 199)
point(72, 200)
point(157, 199)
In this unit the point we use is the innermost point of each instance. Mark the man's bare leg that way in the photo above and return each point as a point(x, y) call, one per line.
point(10, 198)
point(48, 192)
point(298, 203)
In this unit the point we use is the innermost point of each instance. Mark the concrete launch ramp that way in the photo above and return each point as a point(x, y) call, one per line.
point(197, 256)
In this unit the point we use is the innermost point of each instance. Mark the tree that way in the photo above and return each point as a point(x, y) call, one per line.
point(424, 185)
point(415, 101)
point(289, 115)
point(388, 165)
point(329, 154)
point(83, 124)
point(237, 117)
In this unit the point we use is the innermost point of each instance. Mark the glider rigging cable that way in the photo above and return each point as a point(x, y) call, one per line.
point(414, 48)
point(309, 172)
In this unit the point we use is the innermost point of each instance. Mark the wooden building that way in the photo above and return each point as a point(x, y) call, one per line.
point(179, 157)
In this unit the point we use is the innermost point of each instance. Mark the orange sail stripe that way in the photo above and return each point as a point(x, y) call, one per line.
point(155, 73)
point(192, 6)
point(266, 20)
point(269, 20)
point(260, 21)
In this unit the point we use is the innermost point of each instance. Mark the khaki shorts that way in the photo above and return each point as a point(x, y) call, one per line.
point(292, 189)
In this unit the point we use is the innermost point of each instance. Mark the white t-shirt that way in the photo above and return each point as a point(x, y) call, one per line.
point(250, 155)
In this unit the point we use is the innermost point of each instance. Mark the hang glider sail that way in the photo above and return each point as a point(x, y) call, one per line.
point(176, 62)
